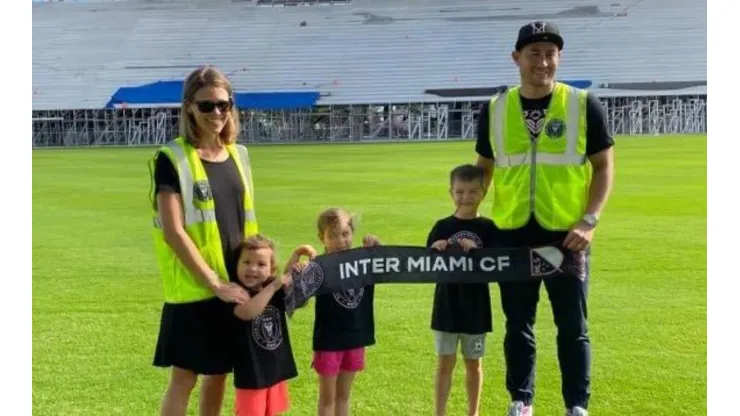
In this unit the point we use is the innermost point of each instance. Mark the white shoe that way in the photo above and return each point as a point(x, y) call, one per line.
point(576, 411)
point(520, 409)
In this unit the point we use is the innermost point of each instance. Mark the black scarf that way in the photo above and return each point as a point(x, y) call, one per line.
point(359, 267)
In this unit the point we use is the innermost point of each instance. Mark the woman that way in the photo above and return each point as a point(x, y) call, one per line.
point(203, 207)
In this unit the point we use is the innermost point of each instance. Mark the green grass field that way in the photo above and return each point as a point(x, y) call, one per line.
point(97, 296)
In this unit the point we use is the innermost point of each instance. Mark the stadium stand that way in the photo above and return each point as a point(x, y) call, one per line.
point(374, 53)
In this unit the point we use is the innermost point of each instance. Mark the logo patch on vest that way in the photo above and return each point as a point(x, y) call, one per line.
point(202, 191)
point(555, 128)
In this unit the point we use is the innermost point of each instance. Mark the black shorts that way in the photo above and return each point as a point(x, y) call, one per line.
point(196, 336)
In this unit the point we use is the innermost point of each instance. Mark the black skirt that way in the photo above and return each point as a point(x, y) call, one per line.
point(196, 336)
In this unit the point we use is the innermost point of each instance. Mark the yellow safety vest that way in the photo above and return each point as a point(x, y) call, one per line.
point(548, 178)
point(180, 285)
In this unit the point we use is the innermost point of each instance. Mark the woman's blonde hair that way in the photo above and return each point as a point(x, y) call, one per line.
point(206, 76)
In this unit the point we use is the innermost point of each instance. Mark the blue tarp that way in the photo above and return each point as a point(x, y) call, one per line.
point(170, 93)
point(577, 83)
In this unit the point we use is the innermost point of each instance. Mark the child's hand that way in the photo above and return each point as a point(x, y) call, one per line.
point(440, 245)
point(305, 250)
point(287, 281)
point(370, 241)
point(298, 267)
point(467, 244)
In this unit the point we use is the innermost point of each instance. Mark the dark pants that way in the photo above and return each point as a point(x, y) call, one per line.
point(568, 298)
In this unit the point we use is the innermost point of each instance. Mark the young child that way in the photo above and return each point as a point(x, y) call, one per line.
point(344, 324)
point(462, 312)
point(263, 358)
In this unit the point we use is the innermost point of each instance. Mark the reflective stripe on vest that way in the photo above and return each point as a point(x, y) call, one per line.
point(244, 159)
point(192, 214)
point(205, 215)
point(570, 157)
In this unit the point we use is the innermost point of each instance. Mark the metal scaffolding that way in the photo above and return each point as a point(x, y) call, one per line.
point(350, 123)
point(272, 3)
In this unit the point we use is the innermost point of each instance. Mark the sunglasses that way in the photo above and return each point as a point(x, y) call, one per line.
point(208, 106)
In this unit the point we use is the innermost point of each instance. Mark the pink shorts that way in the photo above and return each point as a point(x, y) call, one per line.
point(331, 363)
point(270, 401)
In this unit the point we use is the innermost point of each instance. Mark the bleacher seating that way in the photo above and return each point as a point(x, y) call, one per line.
point(364, 51)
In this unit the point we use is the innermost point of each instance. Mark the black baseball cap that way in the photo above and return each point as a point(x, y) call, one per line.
point(539, 31)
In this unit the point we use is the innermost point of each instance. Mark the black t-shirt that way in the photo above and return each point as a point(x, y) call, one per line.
point(344, 320)
point(466, 307)
point(228, 197)
point(263, 355)
point(598, 138)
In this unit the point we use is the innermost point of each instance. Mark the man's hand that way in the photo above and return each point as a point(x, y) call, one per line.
point(579, 237)
point(440, 245)
point(467, 244)
point(231, 292)
point(370, 241)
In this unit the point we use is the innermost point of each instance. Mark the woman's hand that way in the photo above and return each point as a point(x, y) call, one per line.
point(230, 292)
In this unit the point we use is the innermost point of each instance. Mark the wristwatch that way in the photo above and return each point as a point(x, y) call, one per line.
point(591, 220)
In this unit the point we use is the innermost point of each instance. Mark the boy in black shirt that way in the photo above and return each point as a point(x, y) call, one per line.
point(462, 312)
point(263, 358)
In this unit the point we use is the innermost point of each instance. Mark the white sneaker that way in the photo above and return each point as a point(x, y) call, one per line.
point(519, 409)
point(576, 411)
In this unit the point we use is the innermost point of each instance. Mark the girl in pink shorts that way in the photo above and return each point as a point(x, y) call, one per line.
point(344, 323)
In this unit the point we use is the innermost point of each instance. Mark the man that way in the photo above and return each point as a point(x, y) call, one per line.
point(534, 142)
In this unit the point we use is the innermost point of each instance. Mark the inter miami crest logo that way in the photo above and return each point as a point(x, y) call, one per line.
point(351, 298)
point(202, 191)
point(466, 234)
point(266, 329)
point(310, 279)
point(545, 261)
point(555, 128)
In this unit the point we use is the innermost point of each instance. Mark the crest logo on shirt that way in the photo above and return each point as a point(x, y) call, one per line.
point(555, 128)
point(350, 299)
point(202, 191)
point(466, 234)
point(267, 330)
